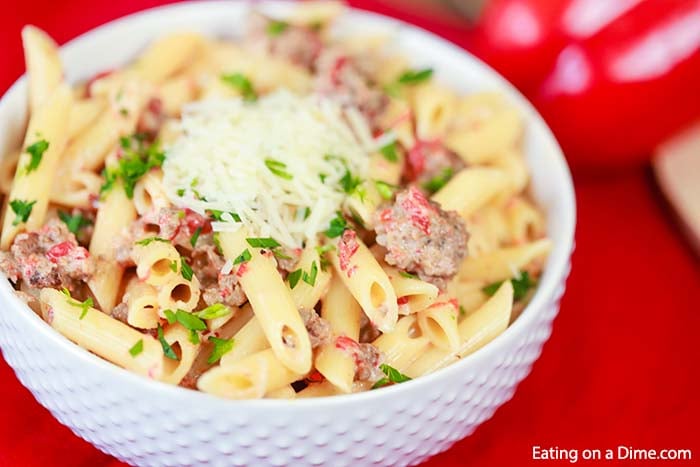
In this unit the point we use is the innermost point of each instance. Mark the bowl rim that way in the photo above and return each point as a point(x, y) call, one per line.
point(557, 268)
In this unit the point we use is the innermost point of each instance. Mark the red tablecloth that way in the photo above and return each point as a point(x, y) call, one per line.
point(621, 367)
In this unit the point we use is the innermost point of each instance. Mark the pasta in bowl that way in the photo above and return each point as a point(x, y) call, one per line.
point(296, 212)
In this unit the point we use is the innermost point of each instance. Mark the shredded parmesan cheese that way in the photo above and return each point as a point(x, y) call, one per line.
point(276, 164)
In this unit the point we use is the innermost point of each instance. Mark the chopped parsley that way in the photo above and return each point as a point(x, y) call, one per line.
point(149, 240)
point(407, 275)
point(392, 376)
point(278, 168)
point(189, 321)
point(74, 223)
point(217, 243)
point(521, 285)
point(84, 306)
point(216, 310)
point(275, 28)
point(462, 311)
point(137, 348)
point(243, 257)
point(415, 76)
point(294, 277)
point(267, 242)
point(36, 151)
point(22, 210)
point(310, 278)
point(279, 255)
point(337, 226)
point(219, 215)
point(307, 212)
point(323, 249)
point(221, 347)
point(384, 189)
point(170, 316)
point(167, 348)
point(137, 159)
point(181, 192)
point(390, 152)
point(173, 266)
point(439, 181)
point(195, 236)
point(242, 84)
point(351, 184)
point(186, 269)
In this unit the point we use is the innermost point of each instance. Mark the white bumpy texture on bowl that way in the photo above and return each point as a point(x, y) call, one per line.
point(149, 423)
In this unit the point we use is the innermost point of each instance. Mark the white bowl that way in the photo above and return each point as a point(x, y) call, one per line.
point(149, 423)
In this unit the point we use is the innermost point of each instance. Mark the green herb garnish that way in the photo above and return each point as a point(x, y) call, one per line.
point(439, 181)
point(170, 316)
point(267, 242)
point(275, 28)
point(167, 349)
point(218, 215)
point(137, 159)
point(221, 347)
point(74, 223)
point(415, 76)
point(390, 152)
point(384, 189)
point(521, 285)
point(242, 84)
point(36, 151)
point(392, 376)
point(137, 348)
point(195, 236)
point(337, 226)
point(278, 168)
point(22, 210)
point(149, 240)
point(310, 278)
point(407, 275)
point(84, 306)
point(216, 310)
point(243, 257)
point(294, 277)
point(186, 269)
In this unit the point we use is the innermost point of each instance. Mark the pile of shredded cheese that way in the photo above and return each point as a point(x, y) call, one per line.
point(275, 165)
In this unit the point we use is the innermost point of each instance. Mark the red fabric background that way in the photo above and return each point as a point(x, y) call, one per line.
point(621, 367)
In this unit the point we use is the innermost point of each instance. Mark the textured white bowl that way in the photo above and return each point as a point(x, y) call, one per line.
point(149, 423)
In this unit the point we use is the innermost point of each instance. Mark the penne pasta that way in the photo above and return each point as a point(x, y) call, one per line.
point(365, 279)
point(505, 262)
point(271, 301)
point(102, 335)
point(32, 183)
point(44, 70)
point(475, 331)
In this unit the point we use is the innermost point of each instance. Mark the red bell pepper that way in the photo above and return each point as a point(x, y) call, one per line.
point(612, 78)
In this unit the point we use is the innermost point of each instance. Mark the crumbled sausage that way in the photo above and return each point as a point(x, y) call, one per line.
point(338, 75)
point(298, 44)
point(49, 257)
point(422, 238)
point(431, 161)
point(318, 328)
point(367, 358)
point(367, 363)
point(175, 225)
point(217, 287)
